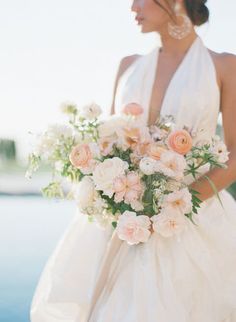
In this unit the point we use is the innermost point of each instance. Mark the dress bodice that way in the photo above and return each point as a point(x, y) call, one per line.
point(192, 97)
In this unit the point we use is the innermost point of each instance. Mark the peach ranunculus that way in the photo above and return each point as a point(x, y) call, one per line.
point(132, 228)
point(127, 187)
point(132, 109)
point(179, 201)
point(169, 223)
point(154, 151)
point(180, 141)
point(80, 156)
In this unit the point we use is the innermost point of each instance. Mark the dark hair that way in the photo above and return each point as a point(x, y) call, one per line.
point(196, 10)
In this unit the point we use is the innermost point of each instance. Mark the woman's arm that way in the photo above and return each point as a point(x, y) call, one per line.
point(124, 64)
point(222, 178)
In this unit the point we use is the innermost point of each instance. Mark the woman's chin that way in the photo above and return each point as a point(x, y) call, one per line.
point(145, 30)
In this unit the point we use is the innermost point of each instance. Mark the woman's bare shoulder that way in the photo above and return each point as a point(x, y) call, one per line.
point(225, 64)
point(225, 61)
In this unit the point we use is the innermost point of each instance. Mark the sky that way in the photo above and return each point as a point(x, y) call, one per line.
point(52, 51)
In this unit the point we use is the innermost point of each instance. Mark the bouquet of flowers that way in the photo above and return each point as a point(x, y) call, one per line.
point(124, 173)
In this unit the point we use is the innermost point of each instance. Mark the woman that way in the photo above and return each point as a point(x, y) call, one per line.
point(92, 276)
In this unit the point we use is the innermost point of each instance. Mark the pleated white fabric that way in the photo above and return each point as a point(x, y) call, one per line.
point(94, 277)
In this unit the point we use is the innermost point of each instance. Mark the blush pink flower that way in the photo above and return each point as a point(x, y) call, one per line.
point(127, 187)
point(169, 223)
point(133, 109)
point(180, 201)
point(132, 228)
point(171, 164)
point(180, 141)
point(80, 156)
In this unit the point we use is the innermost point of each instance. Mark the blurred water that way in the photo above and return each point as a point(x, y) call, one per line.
point(30, 228)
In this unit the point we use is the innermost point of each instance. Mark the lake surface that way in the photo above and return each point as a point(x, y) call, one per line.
point(30, 228)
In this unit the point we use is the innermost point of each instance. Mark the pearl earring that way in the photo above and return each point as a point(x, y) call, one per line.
point(183, 30)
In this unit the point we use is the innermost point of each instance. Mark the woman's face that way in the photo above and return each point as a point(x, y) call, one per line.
point(150, 16)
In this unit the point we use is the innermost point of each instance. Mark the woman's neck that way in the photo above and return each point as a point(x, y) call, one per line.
point(171, 46)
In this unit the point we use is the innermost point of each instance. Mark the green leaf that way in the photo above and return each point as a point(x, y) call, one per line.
point(190, 216)
point(114, 224)
point(214, 189)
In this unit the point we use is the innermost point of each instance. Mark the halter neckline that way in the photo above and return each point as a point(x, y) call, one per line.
point(157, 52)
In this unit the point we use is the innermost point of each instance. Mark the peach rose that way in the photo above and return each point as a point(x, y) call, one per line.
point(81, 156)
point(133, 109)
point(180, 141)
point(154, 151)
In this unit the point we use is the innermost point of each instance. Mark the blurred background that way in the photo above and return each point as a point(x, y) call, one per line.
point(51, 52)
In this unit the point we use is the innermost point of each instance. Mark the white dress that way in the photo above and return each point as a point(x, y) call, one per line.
point(94, 277)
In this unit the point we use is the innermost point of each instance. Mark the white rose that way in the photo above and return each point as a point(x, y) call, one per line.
point(105, 173)
point(84, 193)
point(90, 111)
point(147, 165)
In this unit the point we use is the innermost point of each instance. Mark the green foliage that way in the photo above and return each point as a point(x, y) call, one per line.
point(53, 190)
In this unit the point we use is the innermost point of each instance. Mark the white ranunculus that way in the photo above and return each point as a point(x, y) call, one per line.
point(84, 193)
point(105, 173)
point(90, 111)
point(147, 165)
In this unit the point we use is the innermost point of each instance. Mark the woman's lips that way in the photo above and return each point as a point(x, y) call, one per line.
point(139, 20)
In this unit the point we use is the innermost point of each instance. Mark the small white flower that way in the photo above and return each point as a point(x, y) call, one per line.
point(90, 111)
point(59, 166)
point(169, 223)
point(219, 149)
point(147, 165)
point(104, 219)
point(59, 131)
